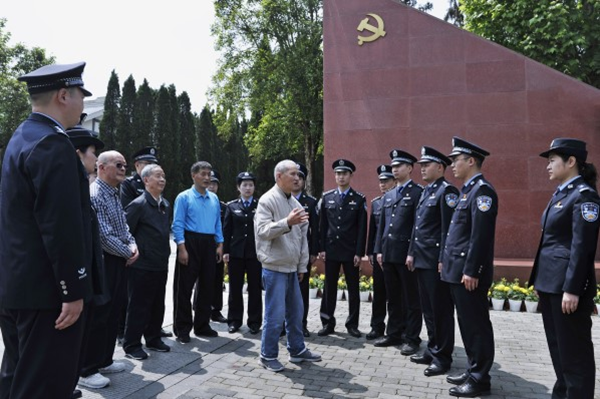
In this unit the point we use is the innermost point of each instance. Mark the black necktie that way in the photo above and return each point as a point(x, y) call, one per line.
point(246, 204)
point(399, 193)
point(342, 196)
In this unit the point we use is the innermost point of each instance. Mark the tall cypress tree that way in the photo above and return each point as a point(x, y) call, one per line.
point(165, 117)
point(108, 126)
point(187, 141)
point(143, 118)
point(125, 120)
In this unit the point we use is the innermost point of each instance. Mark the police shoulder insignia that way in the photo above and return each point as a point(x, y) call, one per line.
point(484, 203)
point(452, 200)
point(590, 211)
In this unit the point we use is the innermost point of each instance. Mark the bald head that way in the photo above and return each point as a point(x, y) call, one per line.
point(286, 175)
point(112, 167)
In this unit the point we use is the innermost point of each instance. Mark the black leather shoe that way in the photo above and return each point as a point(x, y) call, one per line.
point(165, 334)
point(233, 328)
point(305, 332)
point(421, 359)
point(409, 349)
point(76, 394)
point(184, 339)
point(388, 341)
point(206, 332)
point(434, 369)
point(254, 329)
point(374, 334)
point(326, 330)
point(458, 379)
point(470, 389)
point(218, 317)
point(354, 332)
point(282, 333)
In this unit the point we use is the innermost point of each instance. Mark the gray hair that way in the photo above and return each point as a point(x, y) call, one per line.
point(199, 166)
point(283, 167)
point(149, 169)
point(108, 156)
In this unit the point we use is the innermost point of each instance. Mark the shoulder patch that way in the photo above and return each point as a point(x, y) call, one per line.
point(232, 202)
point(377, 198)
point(359, 194)
point(311, 197)
point(484, 203)
point(590, 211)
point(584, 187)
point(451, 200)
point(330, 191)
point(482, 183)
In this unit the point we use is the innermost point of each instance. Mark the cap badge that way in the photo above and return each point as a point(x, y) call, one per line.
point(395, 153)
point(341, 162)
point(423, 151)
point(152, 151)
point(383, 168)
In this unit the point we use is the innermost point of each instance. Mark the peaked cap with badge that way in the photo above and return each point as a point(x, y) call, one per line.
point(399, 157)
point(81, 137)
point(146, 154)
point(385, 172)
point(245, 176)
point(302, 169)
point(54, 77)
point(569, 147)
point(429, 154)
point(343, 165)
point(461, 146)
point(215, 177)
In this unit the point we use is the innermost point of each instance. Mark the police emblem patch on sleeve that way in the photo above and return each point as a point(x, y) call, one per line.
point(590, 211)
point(484, 203)
point(451, 200)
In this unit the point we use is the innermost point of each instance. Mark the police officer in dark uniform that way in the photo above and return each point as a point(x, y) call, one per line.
point(379, 303)
point(133, 186)
point(45, 277)
point(563, 272)
point(309, 204)
point(434, 212)
point(468, 266)
point(343, 231)
point(391, 246)
point(217, 302)
point(239, 252)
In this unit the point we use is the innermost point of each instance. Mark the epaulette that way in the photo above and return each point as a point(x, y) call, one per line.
point(445, 183)
point(233, 201)
point(309, 196)
point(359, 194)
point(584, 187)
point(482, 183)
point(376, 198)
point(329, 192)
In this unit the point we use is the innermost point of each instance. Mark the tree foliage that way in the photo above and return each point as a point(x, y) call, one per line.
point(563, 34)
point(108, 126)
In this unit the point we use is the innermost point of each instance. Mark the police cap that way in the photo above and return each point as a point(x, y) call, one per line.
point(569, 147)
point(146, 154)
point(429, 154)
point(215, 177)
point(245, 176)
point(302, 170)
point(385, 172)
point(460, 146)
point(343, 165)
point(54, 77)
point(399, 156)
point(82, 137)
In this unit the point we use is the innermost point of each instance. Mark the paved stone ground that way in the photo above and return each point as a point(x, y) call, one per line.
point(226, 366)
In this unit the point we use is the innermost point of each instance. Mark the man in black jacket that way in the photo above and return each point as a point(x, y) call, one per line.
point(148, 219)
point(343, 231)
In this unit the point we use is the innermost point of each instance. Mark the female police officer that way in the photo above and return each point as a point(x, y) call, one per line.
point(563, 272)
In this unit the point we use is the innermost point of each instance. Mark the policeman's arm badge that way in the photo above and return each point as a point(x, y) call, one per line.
point(590, 211)
point(484, 203)
point(451, 200)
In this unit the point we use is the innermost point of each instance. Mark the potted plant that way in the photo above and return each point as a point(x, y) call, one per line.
point(499, 294)
point(226, 282)
point(365, 288)
point(516, 295)
point(597, 299)
point(315, 283)
point(341, 287)
point(531, 300)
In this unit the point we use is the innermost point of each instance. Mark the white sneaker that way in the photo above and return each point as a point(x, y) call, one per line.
point(115, 367)
point(94, 381)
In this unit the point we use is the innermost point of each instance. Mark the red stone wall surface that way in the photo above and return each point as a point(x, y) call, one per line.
point(426, 81)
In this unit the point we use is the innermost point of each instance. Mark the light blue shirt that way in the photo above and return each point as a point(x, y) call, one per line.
point(197, 213)
point(565, 184)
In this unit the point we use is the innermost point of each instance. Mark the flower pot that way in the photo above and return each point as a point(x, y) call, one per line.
point(340, 295)
point(531, 306)
point(515, 305)
point(312, 293)
point(364, 296)
point(497, 304)
point(226, 287)
point(245, 288)
point(598, 308)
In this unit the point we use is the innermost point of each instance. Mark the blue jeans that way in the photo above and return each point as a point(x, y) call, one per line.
point(283, 301)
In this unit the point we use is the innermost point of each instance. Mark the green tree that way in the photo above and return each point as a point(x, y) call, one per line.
point(108, 126)
point(125, 120)
point(187, 142)
point(143, 118)
point(164, 133)
point(564, 35)
point(413, 3)
point(453, 14)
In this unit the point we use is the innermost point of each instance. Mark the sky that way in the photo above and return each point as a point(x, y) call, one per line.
point(163, 42)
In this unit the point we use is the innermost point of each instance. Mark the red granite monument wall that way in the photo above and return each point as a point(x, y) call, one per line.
point(426, 81)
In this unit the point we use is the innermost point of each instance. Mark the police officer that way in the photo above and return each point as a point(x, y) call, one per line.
point(45, 279)
point(239, 252)
point(217, 302)
point(309, 204)
point(434, 212)
point(343, 231)
point(391, 246)
point(133, 186)
point(468, 266)
point(379, 304)
point(563, 271)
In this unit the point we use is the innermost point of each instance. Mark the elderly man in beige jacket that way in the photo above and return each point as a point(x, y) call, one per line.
point(280, 228)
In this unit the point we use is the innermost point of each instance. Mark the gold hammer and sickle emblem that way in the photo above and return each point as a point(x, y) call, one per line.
point(376, 30)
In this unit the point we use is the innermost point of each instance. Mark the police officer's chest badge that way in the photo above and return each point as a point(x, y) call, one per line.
point(451, 200)
point(590, 211)
point(484, 203)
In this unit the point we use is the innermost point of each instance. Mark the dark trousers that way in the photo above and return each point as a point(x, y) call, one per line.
point(405, 317)
point(104, 323)
point(438, 313)
point(304, 292)
point(237, 269)
point(569, 338)
point(329, 300)
point(217, 302)
point(473, 313)
point(145, 307)
point(379, 304)
point(39, 361)
point(199, 271)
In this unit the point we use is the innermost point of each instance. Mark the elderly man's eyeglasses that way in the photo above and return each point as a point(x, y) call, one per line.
point(120, 165)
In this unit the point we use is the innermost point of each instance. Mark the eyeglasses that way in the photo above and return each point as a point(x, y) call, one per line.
point(120, 165)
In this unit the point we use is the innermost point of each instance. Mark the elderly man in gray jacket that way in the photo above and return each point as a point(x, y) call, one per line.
point(281, 245)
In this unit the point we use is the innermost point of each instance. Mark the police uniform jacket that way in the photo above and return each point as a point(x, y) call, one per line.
point(309, 204)
point(565, 257)
point(148, 222)
point(131, 188)
point(42, 246)
point(433, 215)
point(469, 247)
point(396, 222)
point(374, 223)
point(343, 225)
point(238, 230)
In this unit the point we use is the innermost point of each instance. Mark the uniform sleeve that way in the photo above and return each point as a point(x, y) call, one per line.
point(447, 205)
point(304, 256)
point(313, 245)
point(227, 230)
point(380, 228)
point(323, 223)
point(127, 192)
point(583, 245)
point(484, 210)
point(179, 213)
point(218, 225)
point(361, 240)
point(52, 166)
point(372, 232)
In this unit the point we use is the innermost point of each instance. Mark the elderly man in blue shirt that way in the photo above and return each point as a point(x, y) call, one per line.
point(198, 234)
